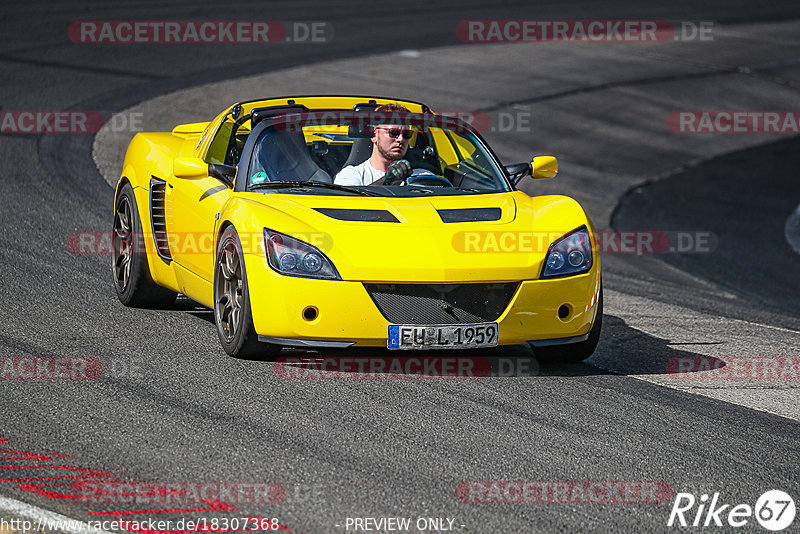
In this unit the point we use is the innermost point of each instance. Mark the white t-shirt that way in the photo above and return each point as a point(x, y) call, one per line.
point(363, 174)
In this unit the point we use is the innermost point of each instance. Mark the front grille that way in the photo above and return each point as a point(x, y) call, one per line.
point(441, 303)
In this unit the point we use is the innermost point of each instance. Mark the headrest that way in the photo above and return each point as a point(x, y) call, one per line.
point(363, 130)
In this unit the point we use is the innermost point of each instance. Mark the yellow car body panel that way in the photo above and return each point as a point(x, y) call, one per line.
point(419, 248)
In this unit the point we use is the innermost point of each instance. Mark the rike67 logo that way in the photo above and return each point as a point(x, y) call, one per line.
point(774, 510)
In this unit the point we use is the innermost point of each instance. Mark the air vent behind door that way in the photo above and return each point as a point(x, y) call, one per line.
point(158, 217)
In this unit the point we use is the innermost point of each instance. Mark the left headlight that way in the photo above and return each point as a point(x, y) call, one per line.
point(570, 255)
point(293, 257)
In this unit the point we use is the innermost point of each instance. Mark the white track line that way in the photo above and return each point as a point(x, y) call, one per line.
point(45, 520)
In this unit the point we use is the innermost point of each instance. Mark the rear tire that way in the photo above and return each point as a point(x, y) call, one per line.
point(232, 313)
point(574, 352)
point(132, 280)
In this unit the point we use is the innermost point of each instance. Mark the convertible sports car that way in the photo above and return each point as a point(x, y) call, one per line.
point(242, 215)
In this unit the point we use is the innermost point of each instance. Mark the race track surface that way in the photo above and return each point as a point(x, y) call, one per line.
point(171, 408)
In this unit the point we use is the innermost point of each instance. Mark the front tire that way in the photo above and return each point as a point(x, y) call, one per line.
point(232, 313)
point(133, 282)
point(574, 352)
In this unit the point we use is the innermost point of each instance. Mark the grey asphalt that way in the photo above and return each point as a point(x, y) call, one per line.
point(182, 411)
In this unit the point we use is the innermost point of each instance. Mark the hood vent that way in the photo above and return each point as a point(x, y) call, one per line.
point(358, 215)
point(470, 215)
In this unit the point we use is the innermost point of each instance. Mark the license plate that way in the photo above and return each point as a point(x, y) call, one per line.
point(462, 336)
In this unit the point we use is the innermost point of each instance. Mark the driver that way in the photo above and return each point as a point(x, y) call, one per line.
point(389, 146)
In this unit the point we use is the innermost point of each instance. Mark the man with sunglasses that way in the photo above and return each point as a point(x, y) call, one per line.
point(386, 164)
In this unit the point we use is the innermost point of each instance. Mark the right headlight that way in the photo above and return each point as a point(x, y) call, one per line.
point(570, 255)
point(293, 257)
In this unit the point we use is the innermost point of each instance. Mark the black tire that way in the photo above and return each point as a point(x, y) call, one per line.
point(132, 280)
point(232, 313)
point(574, 352)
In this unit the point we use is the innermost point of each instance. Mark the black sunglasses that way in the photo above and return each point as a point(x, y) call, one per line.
point(394, 133)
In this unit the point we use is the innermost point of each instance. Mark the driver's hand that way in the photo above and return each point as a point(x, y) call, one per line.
point(397, 172)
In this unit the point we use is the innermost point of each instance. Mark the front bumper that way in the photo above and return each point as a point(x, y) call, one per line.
point(348, 316)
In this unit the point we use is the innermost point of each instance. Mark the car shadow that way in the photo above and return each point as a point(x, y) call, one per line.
point(625, 350)
point(622, 350)
point(186, 305)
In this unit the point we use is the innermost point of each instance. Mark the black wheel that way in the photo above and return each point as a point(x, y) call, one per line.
point(132, 280)
point(232, 313)
point(574, 352)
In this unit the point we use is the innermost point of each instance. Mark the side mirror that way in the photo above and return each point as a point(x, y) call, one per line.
point(189, 168)
point(544, 167)
point(517, 171)
point(539, 167)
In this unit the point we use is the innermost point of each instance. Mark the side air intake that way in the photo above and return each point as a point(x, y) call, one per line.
point(158, 217)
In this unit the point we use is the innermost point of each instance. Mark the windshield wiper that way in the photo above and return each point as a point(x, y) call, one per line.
point(321, 185)
point(420, 189)
point(472, 189)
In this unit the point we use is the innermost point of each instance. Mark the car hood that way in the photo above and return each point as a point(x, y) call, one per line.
point(491, 237)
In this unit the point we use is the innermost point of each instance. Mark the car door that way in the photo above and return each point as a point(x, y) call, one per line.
point(195, 203)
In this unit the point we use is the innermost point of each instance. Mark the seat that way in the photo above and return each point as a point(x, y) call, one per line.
point(359, 152)
point(284, 156)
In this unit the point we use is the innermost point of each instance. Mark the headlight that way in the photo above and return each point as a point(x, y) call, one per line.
point(570, 255)
point(292, 257)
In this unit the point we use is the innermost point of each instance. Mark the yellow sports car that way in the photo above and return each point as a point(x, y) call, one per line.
point(252, 214)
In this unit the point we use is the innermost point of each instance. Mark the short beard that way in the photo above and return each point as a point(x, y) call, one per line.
point(387, 155)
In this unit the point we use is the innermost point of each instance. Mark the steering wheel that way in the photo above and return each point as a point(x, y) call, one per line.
point(419, 164)
point(429, 180)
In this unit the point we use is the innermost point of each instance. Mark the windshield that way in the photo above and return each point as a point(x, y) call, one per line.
point(297, 151)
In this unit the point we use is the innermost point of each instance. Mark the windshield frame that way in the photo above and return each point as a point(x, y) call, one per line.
point(364, 119)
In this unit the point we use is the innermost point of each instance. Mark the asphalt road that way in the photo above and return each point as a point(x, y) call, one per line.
point(171, 408)
point(760, 192)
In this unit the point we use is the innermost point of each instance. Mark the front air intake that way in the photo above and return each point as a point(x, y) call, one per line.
point(428, 304)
